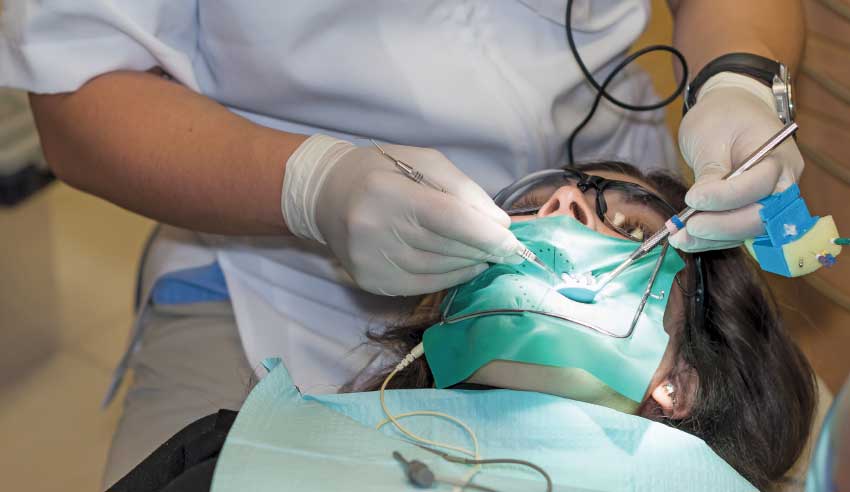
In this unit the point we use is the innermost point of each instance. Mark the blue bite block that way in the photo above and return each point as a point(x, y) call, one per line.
point(795, 242)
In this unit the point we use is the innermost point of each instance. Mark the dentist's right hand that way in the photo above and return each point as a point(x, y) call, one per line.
point(394, 236)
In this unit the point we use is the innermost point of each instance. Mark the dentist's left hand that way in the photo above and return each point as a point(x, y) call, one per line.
point(733, 116)
point(392, 235)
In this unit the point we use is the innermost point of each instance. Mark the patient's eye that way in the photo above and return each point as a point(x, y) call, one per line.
point(530, 200)
point(624, 224)
point(630, 227)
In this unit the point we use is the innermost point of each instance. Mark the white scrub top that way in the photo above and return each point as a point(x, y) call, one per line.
point(490, 83)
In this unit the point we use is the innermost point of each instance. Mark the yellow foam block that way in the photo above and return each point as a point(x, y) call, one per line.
point(801, 255)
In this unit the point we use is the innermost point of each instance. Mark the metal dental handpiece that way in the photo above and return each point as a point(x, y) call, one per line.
point(418, 177)
point(586, 293)
point(409, 170)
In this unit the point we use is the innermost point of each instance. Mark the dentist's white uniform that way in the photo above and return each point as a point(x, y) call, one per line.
point(491, 84)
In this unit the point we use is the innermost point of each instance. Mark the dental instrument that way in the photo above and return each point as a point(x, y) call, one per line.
point(507, 325)
point(584, 289)
point(409, 170)
point(527, 255)
point(417, 176)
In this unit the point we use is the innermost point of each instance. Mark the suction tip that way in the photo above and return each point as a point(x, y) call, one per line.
point(579, 287)
point(578, 294)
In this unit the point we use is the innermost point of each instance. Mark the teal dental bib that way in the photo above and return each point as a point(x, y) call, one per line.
point(285, 441)
point(510, 327)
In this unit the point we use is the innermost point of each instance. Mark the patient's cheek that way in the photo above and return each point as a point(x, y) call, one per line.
point(674, 320)
point(668, 361)
point(674, 314)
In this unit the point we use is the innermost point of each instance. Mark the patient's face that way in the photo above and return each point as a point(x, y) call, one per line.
point(637, 221)
point(629, 219)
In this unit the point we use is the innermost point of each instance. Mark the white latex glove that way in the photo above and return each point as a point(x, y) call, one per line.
point(733, 116)
point(394, 236)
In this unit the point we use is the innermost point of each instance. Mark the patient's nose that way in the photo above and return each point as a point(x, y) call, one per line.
point(571, 201)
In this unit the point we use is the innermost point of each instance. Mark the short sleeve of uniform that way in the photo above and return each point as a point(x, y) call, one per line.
point(52, 46)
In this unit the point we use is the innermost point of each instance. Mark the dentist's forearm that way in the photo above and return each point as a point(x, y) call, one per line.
point(706, 29)
point(155, 147)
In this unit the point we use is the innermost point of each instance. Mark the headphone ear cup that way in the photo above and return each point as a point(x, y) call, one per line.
point(698, 305)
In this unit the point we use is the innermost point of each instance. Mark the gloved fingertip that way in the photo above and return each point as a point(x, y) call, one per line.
point(501, 217)
point(680, 240)
point(693, 244)
point(696, 228)
point(695, 197)
point(702, 230)
point(514, 260)
point(707, 172)
point(467, 274)
point(507, 260)
point(491, 210)
point(509, 246)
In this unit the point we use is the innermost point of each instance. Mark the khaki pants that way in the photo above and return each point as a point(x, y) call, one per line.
point(190, 364)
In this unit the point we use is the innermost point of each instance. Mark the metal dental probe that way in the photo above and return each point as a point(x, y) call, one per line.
point(677, 222)
point(528, 255)
point(409, 170)
point(418, 177)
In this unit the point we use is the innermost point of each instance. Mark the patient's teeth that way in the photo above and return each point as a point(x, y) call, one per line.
point(584, 279)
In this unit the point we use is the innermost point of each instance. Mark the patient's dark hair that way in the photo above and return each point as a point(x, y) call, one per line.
point(755, 395)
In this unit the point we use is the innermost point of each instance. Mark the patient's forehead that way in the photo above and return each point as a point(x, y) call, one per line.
point(624, 177)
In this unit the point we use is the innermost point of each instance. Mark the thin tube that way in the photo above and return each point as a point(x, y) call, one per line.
point(468, 461)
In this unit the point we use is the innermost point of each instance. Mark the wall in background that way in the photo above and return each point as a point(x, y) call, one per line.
point(817, 307)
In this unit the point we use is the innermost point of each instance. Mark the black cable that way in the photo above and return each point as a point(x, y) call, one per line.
point(470, 461)
point(600, 89)
point(495, 461)
point(600, 93)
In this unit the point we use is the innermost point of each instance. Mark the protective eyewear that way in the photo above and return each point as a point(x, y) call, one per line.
point(630, 210)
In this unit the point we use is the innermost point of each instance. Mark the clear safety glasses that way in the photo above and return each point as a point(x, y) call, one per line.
point(630, 210)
